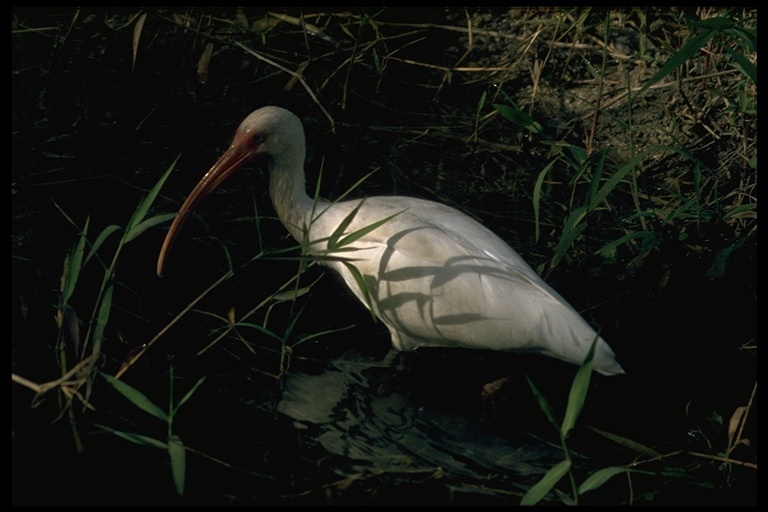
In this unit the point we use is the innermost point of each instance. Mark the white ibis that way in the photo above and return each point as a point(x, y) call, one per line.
point(433, 275)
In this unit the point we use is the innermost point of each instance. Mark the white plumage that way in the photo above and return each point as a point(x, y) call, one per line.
point(435, 277)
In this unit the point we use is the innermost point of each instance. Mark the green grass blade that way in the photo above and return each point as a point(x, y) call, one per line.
point(536, 493)
point(259, 328)
point(257, 221)
point(135, 438)
point(599, 477)
point(318, 334)
point(481, 103)
point(747, 35)
point(75, 264)
point(102, 318)
point(714, 23)
point(597, 175)
point(720, 260)
point(146, 203)
point(67, 217)
point(70, 325)
point(688, 50)
point(591, 69)
point(628, 443)
point(744, 64)
point(614, 180)
point(376, 62)
point(518, 117)
point(360, 280)
point(228, 255)
point(294, 320)
point(136, 397)
point(146, 224)
point(578, 394)
point(544, 404)
point(355, 185)
point(571, 231)
point(741, 208)
point(365, 230)
point(610, 248)
point(690, 204)
point(339, 231)
point(578, 158)
point(316, 196)
point(537, 197)
point(295, 293)
point(101, 239)
point(622, 172)
point(189, 394)
point(178, 456)
point(338, 240)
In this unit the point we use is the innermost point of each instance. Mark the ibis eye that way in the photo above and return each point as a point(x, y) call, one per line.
point(258, 138)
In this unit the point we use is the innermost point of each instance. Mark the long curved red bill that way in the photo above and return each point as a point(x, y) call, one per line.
point(240, 152)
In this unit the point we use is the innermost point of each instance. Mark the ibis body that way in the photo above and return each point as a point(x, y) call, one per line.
point(433, 275)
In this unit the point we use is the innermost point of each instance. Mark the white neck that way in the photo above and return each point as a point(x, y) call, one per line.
point(287, 189)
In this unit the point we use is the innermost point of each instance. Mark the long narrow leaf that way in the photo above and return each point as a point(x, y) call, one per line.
point(135, 438)
point(597, 175)
point(257, 221)
point(578, 393)
point(343, 195)
point(293, 294)
point(537, 197)
point(339, 231)
point(100, 240)
point(352, 237)
point(75, 264)
point(714, 23)
point(189, 394)
point(518, 117)
point(598, 478)
point(136, 397)
point(136, 36)
point(316, 335)
point(294, 320)
point(610, 248)
point(747, 35)
point(544, 404)
point(146, 203)
point(376, 62)
point(178, 456)
point(744, 64)
point(622, 172)
point(360, 280)
point(741, 208)
point(536, 493)
point(259, 328)
point(571, 231)
point(148, 223)
point(103, 316)
point(678, 59)
point(628, 443)
point(481, 103)
point(67, 217)
point(355, 185)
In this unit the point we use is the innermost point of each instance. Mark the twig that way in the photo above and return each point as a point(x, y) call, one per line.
point(135, 357)
point(724, 459)
point(294, 75)
point(41, 389)
point(248, 314)
point(662, 85)
point(308, 27)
